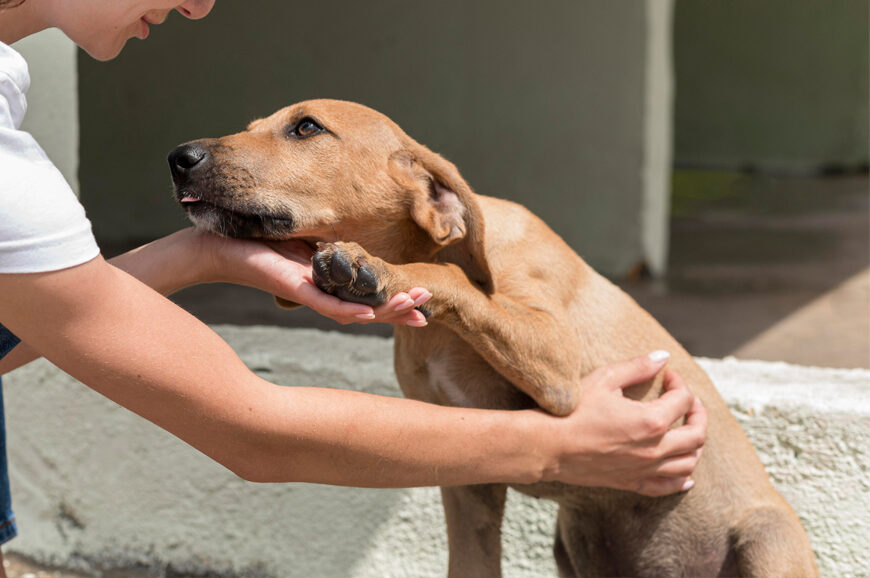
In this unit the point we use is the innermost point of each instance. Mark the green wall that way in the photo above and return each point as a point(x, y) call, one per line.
point(538, 102)
point(771, 84)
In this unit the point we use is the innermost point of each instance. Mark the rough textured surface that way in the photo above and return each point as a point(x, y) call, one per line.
point(97, 487)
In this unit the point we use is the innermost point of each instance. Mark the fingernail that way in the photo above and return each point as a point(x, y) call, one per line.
point(417, 323)
point(365, 315)
point(423, 298)
point(688, 485)
point(659, 355)
point(405, 305)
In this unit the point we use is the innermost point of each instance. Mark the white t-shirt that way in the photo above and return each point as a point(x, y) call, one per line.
point(43, 226)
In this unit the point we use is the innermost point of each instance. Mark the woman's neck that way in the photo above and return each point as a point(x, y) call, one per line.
point(21, 21)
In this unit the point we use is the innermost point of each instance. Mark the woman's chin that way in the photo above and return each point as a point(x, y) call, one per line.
point(105, 51)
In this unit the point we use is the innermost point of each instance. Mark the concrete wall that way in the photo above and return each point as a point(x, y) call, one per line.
point(52, 101)
point(777, 85)
point(559, 105)
point(97, 487)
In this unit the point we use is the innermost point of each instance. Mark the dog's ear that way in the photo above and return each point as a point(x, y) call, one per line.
point(443, 205)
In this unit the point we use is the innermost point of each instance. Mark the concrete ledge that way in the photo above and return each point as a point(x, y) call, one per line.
point(97, 487)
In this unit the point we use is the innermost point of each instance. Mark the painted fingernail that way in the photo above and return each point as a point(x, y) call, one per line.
point(688, 485)
point(405, 305)
point(423, 298)
point(659, 355)
point(365, 315)
point(417, 323)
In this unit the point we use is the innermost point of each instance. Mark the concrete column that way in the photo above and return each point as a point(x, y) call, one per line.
point(658, 116)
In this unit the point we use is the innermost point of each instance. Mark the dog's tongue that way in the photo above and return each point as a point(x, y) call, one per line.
point(189, 199)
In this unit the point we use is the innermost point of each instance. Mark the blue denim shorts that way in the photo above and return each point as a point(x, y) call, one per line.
point(8, 528)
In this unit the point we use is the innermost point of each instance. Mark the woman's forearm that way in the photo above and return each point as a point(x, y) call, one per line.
point(168, 264)
point(354, 439)
point(128, 343)
point(131, 345)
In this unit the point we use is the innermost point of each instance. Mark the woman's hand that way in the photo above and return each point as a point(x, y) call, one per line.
point(620, 443)
point(283, 268)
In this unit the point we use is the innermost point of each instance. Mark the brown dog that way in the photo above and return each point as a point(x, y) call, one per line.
point(516, 319)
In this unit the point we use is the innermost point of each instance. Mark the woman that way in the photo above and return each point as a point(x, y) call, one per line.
point(108, 324)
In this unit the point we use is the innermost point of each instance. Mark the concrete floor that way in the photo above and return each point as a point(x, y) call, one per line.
point(777, 269)
point(773, 268)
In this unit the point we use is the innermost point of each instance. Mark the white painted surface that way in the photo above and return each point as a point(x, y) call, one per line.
point(96, 486)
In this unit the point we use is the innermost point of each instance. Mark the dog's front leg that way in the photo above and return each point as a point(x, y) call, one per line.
point(527, 343)
point(473, 515)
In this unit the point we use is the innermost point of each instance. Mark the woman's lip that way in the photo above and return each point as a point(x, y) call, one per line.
point(144, 29)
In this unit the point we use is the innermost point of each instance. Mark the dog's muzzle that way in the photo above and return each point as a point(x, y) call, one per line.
point(213, 207)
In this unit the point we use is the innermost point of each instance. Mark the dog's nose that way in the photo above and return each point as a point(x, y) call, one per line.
point(186, 158)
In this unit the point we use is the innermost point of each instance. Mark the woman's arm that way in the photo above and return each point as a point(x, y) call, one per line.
point(126, 341)
point(190, 257)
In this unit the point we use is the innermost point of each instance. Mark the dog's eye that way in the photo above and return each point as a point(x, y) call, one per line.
point(306, 127)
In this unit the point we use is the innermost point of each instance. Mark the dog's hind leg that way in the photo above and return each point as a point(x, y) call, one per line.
point(563, 560)
point(770, 542)
point(474, 515)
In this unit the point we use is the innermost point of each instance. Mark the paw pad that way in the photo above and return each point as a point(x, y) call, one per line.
point(345, 270)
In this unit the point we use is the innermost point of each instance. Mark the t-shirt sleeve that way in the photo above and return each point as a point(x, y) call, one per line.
point(43, 226)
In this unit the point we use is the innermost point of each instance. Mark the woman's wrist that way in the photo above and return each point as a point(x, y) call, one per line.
point(549, 433)
point(171, 263)
point(530, 439)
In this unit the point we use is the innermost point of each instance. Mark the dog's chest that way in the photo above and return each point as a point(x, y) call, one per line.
point(445, 381)
point(448, 371)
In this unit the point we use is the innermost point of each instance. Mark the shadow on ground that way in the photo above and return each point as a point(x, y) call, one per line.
point(765, 267)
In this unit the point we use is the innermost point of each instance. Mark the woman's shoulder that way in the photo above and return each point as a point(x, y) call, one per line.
point(13, 65)
point(14, 83)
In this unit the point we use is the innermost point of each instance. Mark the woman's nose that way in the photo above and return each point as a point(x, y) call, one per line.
point(196, 9)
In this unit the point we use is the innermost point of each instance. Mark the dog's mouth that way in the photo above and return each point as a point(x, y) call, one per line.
point(235, 221)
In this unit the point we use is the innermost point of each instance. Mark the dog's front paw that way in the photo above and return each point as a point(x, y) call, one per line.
point(348, 272)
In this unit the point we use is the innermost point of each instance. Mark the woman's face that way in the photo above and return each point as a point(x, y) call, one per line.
point(103, 27)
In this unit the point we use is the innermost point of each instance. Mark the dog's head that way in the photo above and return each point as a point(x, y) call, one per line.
point(326, 170)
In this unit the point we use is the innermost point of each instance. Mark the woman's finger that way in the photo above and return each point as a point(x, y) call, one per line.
point(400, 308)
point(633, 371)
point(399, 303)
point(676, 400)
point(689, 437)
point(657, 487)
point(678, 466)
point(343, 311)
